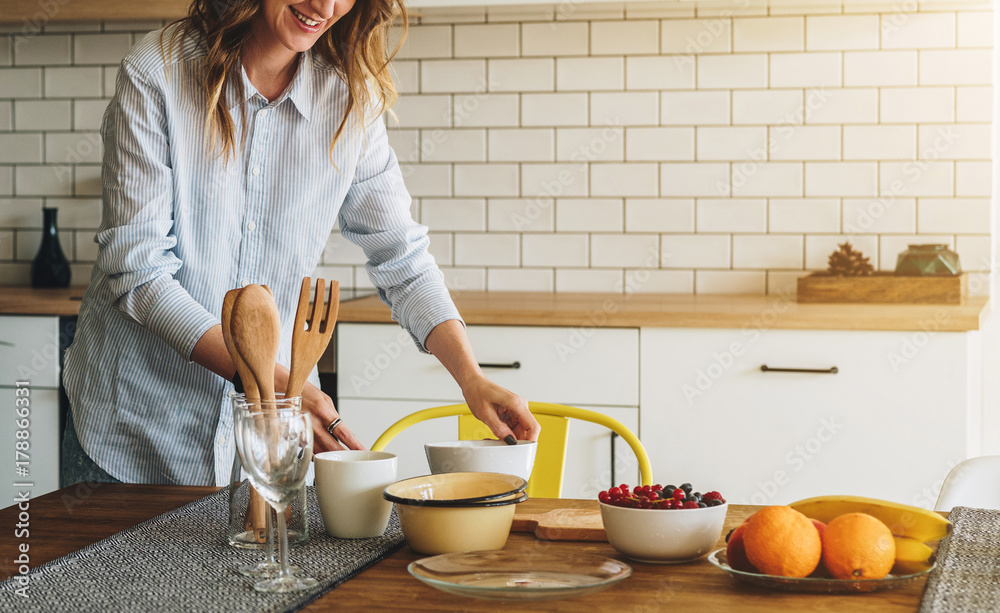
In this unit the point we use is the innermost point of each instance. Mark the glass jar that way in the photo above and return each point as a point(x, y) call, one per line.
point(927, 260)
point(240, 532)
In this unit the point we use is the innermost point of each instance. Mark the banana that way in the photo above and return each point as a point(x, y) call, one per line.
point(912, 556)
point(903, 520)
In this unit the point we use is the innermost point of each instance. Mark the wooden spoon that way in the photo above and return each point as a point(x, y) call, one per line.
point(308, 344)
point(246, 377)
point(256, 330)
point(257, 507)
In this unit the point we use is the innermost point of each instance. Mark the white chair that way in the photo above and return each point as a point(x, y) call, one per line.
point(972, 483)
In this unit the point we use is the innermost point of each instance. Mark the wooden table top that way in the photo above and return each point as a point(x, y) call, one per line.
point(66, 520)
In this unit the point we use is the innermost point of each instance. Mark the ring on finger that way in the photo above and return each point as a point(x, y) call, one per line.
point(333, 426)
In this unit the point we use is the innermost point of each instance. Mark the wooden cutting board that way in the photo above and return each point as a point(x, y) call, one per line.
point(562, 525)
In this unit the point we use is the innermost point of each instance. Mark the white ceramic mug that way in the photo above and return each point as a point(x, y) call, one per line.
point(349, 487)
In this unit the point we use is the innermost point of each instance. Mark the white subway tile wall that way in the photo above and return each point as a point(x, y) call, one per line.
point(645, 147)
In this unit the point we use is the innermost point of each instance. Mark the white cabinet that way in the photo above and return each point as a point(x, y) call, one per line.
point(29, 352)
point(381, 377)
point(902, 408)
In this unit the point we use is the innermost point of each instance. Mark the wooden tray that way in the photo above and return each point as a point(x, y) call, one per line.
point(883, 287)
point(562, 525)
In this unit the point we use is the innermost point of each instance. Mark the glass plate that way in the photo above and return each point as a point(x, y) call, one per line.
point(813, 584)
point(503, 575)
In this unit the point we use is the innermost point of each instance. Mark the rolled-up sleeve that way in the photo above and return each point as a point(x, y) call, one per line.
point(136, 239)
point(376, 216)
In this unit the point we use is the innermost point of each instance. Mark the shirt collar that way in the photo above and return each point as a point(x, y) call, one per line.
point(299, 90)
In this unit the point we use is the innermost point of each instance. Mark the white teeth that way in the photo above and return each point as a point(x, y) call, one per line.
point(304, 19)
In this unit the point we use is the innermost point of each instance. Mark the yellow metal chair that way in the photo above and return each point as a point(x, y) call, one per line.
point(547, 476)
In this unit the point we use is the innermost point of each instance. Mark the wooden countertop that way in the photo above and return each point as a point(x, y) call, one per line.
point(69, 519)
point(613, 310)
point(31, 301)
point(685, 311)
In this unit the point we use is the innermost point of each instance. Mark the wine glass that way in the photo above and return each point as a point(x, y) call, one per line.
point(239, 513)
point(275, 447)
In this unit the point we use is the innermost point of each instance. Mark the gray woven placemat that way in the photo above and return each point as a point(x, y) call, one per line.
point(967, 576)
point(180, 561)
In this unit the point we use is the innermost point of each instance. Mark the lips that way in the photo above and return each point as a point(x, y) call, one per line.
point(308, 24)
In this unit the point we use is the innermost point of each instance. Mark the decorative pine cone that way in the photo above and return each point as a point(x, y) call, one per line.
point(846, 262)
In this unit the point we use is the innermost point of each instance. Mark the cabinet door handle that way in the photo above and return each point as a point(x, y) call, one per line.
point(6, 344)
point(513, 365)
point(817, 371)
point(614, 435)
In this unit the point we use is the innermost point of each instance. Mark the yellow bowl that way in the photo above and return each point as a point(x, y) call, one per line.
point(453, 512)
point(450, 489)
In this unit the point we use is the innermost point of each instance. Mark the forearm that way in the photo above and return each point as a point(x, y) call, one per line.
point(450, 345)
point(210, 352)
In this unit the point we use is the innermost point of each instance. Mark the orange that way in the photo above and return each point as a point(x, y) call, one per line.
point(781, 541)
point(736, 553)
point(858, 546)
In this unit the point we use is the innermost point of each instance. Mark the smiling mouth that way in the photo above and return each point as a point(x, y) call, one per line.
point(309, 22)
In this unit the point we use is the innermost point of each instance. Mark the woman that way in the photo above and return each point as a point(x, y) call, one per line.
point(236, 139)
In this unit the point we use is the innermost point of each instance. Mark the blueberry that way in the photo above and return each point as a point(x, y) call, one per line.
point(696, 496)
point(686, 487)
point(670, 488)
point(702, 505)
point(714, 503)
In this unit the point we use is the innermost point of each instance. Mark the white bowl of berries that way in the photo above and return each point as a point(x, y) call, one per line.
point(662, 525)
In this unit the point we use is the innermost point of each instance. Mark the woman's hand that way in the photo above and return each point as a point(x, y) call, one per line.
point(324, 413)
point(503, 411)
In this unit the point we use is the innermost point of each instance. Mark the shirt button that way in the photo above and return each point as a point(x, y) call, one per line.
point(251, 226)
point(221, 441)
point(255, 170)
point(263, 114)
point(245, 282)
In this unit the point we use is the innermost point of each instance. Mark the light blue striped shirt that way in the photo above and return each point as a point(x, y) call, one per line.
point(181, 227)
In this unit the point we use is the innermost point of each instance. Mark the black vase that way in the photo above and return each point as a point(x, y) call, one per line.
point(50, 267)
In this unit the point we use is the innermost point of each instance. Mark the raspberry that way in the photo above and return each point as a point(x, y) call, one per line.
point(707, 496)
point(690, 504)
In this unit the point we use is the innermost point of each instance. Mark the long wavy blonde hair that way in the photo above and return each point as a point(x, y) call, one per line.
point(356, 46)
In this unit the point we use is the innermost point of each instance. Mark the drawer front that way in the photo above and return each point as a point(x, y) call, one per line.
point(565, 365)
point(29, 349)
point(889, 424)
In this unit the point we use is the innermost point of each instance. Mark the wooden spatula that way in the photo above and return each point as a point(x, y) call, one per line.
point(256, 330)
point(257, 507)
point(309, 343)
